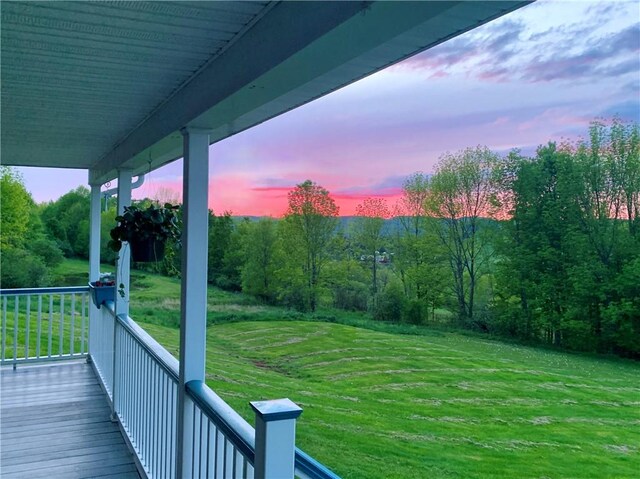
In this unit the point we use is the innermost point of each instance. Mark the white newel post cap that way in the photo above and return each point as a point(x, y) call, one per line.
point(276, 409)
point(275, 438)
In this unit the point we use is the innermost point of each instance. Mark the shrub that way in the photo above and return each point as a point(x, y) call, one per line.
point(65, 247)
point(391, 304)
point(351, 296)
point(415, 311)
point(21, 269)
point(47, 250)
point(295, 298)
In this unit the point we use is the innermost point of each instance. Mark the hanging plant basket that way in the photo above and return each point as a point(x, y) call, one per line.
point(146, 229)
point(147, 250)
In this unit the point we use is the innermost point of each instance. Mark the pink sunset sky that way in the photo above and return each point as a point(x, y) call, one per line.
point(541, 73)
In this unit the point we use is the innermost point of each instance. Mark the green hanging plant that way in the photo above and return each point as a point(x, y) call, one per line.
point(153, 226)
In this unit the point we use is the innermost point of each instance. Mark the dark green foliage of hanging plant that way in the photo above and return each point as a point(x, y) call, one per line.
point(160, 223)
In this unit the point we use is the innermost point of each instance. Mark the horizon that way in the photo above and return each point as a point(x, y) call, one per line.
point(539, 74)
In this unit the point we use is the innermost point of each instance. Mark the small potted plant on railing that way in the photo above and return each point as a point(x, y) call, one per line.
point(103, 290)
point(146, 230)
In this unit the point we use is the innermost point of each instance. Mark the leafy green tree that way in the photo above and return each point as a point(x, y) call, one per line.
point(542, 232)
point(46, 249)
point(461, 194)
point(608, 166)
point(16, 209)
point(66, 220)
point(570, 248)
point(22, 269)
point(221, 229)
point(623, 149)
point(308, 227)
point(233, 260)
point(260, 263)
point(431, 276)
point(349, 284)
point(513, 271)
point(24, 249)
point(608, 194)
point(107, 222)
point(621, 317)
point(409, 211)
point(368, 227)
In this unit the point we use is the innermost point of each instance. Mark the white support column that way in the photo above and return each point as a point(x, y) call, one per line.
point(94, 259)
point(123, 266)
point(123, 276)
point(275, 438)
point(193, 295)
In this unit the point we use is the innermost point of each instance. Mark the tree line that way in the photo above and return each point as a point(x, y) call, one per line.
point(542, 248)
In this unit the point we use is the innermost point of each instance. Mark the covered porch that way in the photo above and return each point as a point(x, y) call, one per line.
point(114, 411)
point(56, 423)
point(119, 90)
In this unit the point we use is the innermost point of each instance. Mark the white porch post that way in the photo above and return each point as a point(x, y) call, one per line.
point(123, 266)
point(275, 438)
point(94, 259)
point(193, 294)
point(123, 275)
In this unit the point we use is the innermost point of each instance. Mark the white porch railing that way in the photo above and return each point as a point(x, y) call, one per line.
point(44, 324)
point(101, 346)
point(222, 443)
point(146, 396)
point(140, 378)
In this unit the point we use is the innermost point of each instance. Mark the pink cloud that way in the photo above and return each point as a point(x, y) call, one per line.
point(558, 117)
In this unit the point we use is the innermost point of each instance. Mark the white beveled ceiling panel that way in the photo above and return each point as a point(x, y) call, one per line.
point(102, 85)
point(77, 77)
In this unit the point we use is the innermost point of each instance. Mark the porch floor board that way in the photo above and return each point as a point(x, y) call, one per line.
point(54, 423)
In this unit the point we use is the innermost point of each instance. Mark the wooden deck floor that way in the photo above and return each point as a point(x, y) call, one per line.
point(54, 423)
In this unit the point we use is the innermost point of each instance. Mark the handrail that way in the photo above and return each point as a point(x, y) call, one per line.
point(232, 425)
point(165, 360)
point(110, 306)
point(57, 290)
point(312, 469)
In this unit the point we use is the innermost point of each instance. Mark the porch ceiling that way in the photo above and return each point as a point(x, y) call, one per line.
point(102, 85)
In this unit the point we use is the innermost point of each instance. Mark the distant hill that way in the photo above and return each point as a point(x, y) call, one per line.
point(391, 226)
point(345, 225)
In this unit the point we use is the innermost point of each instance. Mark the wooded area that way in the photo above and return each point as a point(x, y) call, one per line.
point(543, 249)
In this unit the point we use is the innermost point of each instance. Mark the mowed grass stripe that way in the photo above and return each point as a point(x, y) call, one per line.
point(380, 405)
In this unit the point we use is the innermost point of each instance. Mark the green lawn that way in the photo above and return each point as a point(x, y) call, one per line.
point(434, 405)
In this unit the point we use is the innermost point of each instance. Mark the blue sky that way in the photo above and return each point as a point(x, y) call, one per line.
point(541, 73)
